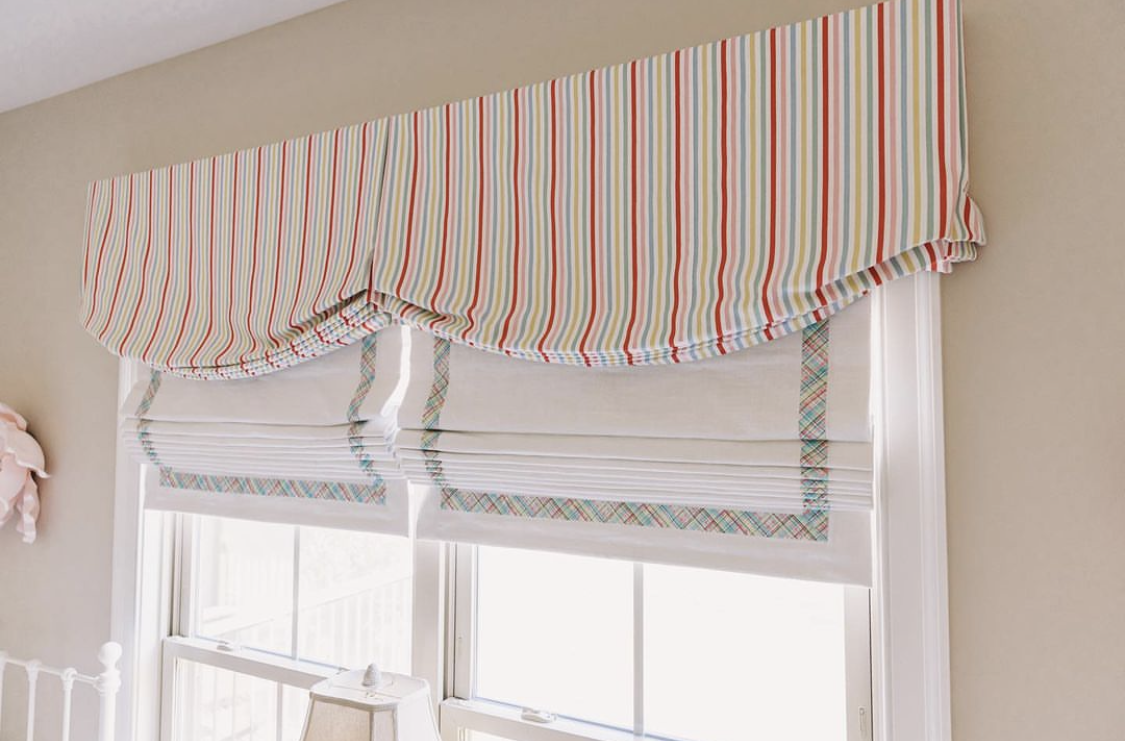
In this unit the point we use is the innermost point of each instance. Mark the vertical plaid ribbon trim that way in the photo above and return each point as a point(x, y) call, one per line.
point(355, 427)
point(143, 436)
point(813, 429)
point(809, 525)
point(431, 418)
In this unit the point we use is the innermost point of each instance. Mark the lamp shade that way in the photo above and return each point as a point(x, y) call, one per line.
point(342, 708)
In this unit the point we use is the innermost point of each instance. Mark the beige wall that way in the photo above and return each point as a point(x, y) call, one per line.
point(1034, 393)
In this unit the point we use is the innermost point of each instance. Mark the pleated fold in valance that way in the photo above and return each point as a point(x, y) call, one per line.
point(669, 209)
point(241, 264)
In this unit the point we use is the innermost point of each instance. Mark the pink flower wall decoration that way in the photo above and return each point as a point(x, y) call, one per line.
point(21, 459)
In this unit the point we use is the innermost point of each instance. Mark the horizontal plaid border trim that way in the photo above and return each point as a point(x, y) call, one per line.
point(811, 525)
point(266, 487)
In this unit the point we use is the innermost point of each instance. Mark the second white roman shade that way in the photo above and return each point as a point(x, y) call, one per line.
point(759, 460)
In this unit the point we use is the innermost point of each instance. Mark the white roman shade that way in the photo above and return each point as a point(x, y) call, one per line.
point(308, 445)
point(759, 460)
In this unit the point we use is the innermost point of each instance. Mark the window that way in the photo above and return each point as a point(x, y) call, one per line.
point(908, 600)
point(598, 648)
point(617, 648)
point(267, 610)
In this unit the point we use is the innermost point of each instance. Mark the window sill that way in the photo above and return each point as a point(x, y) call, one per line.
point(268, 666)
point(505, 721)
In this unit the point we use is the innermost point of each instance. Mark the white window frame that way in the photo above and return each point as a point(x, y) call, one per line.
point(909, 603)
point(164, 564)
point(258, 664)
point(460, 711)
point(183, 642)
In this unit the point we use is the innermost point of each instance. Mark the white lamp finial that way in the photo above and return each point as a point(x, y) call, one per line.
point(372, 677)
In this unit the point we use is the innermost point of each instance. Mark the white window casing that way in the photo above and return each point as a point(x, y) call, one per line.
point(909, 613)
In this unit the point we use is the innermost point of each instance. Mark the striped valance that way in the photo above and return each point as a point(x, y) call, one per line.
point(668, 209)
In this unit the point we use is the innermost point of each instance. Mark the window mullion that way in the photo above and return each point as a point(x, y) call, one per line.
point(638, 649)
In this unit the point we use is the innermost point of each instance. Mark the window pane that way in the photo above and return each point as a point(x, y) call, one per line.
point(220, 705)
point(244, 587)
point(726, 652)
point(555, 633)
point(355, 599)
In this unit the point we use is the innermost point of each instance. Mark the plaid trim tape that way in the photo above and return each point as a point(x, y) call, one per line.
point(267, 487)
point(813, 426)
point(356, 444)
point(367, 367)
point(431, 414)
point(143, 436)
point(672, 517)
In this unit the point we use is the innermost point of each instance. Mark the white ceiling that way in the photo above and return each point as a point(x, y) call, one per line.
point(48, 47)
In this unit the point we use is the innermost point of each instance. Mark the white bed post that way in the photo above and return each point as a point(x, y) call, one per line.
point(68, 676)
point(32, 669)
point(107, 685)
